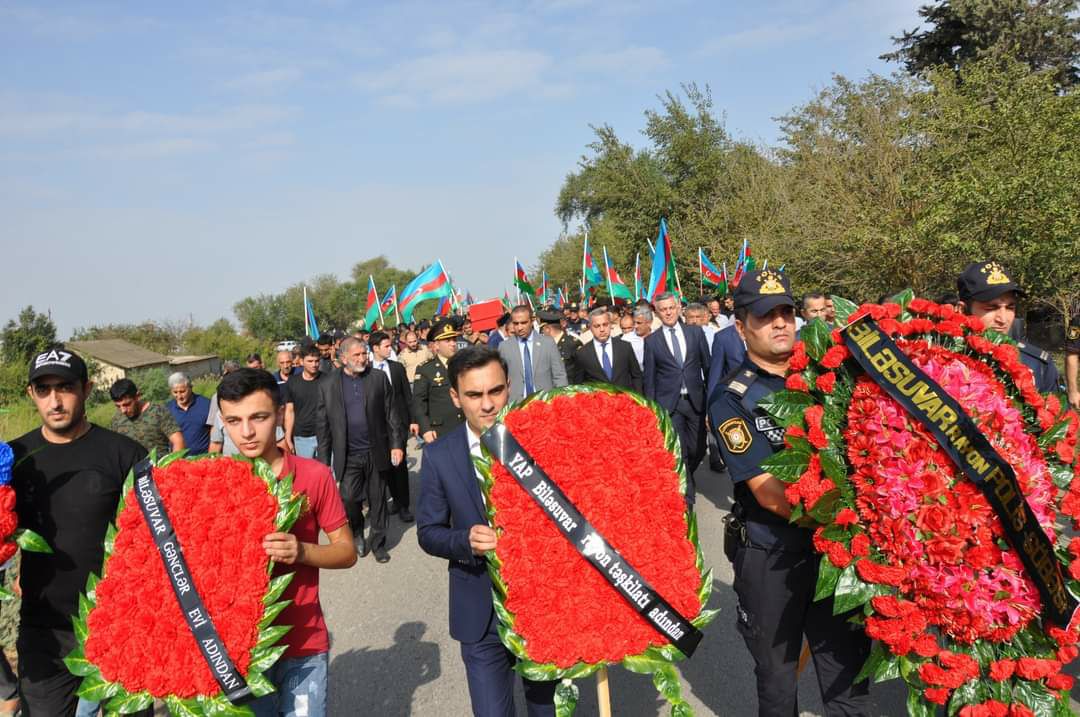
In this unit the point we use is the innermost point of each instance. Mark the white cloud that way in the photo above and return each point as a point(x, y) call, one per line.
point(23, 118)
point(152, 149)
point(266, 81)
point(468, 76)
point(628, 61)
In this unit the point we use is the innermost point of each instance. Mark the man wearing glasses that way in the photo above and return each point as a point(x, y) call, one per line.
point(68, 477)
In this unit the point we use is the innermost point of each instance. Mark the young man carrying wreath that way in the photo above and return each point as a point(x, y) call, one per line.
point(249, 404)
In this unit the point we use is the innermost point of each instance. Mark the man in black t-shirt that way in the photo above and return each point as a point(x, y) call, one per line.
point(68, 480)
point(301, 399)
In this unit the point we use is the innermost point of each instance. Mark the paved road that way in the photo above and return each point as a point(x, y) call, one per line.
point(392, 654)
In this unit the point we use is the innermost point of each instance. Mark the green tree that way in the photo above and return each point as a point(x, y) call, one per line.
point(1043, 34)
point(31, 334)
point(221, 338)
point(160, 337)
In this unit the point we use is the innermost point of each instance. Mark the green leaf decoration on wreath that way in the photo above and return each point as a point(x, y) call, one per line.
point(117, 700)
point(656, 660)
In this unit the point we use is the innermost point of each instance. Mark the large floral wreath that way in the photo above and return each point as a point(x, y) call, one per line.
point(910, 540)
point(558, 615)
point(134, 643)
point(13, 537)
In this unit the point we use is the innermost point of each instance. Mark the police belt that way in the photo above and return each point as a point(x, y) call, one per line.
point(971, 451)
point(588, 541)
point(202, 628)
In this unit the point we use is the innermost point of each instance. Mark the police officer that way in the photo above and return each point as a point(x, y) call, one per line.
point(776, 567)
point(1072, 359)
point(987, 292)
point(551, 324)
point(433, 408)
point(575, 322)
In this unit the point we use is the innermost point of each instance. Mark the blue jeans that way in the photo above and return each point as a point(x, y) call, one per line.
point(305, 445)
point(87, 709)
point(301, 688)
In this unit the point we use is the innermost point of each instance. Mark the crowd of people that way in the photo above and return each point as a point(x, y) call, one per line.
point(337, 413)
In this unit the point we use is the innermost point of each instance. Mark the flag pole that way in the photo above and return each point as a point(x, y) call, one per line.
point(397, 316)
point(307, 329)
point(607, 273)
point(637, 278)
point(603, 692)
point(701, 272)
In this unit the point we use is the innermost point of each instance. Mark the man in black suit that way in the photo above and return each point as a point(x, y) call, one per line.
point(360, 436)
point(381, 348)
point(676, 370)
point(605, 361)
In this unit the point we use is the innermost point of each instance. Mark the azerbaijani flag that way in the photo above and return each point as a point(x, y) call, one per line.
point(507, 304)
point(432, 283)
point(559, 298)
point(740, 264)
point(662, 277)
point(310, 327)
point(590, 274)
point(521, 279)
point(543, 287)
point(373, 312)
point(616, 288)
point(443, 308)
point(711, 275)
point(390, 302)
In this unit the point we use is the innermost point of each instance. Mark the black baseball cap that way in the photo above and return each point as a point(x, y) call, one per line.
point(985, 280)
point(761, 291)
point(58, 361)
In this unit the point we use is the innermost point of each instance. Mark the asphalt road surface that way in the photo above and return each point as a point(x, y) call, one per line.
point(392, 655)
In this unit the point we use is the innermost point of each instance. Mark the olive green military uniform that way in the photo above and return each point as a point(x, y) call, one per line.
point(433, 408)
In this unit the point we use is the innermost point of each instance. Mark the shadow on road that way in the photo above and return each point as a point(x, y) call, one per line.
point(396, 671)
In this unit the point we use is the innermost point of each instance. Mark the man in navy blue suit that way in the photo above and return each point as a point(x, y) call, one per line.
point(451, 523)
point(676, 369)
point(728, 352)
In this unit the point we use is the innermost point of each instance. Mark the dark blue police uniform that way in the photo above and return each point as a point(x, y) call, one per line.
point(776, 567)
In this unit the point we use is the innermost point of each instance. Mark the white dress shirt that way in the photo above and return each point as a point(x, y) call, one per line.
point(601, 349)
point(476, 452)
point(384, 366)
point(638, 344)
point(679, 336)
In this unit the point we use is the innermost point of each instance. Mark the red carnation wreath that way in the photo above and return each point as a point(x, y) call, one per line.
point(134, 643)
point(13, 537)
point(907, 537)
point(634, 495)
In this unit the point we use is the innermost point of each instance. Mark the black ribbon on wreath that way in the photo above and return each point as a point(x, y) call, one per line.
point(590, 544)
point(971, 451)
point(202, 628)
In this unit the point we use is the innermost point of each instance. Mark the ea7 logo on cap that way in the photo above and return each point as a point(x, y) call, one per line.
point(53, 358)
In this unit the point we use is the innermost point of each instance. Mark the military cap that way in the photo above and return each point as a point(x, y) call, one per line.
point(549, 317)
point(761, 291)
point(423, 324)
point(983, 281)
point(443, 329)
point(573, 307)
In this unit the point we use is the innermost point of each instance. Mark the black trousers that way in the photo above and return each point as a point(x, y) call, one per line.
point(360, 481)
point(398, 478)
point(690, 425)
point(46, 688)
point(776, 608)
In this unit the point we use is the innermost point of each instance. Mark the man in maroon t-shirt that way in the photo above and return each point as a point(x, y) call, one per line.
point(248, 401)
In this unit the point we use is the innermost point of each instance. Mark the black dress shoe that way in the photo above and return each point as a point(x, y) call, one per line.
point(381, 556)
point(406, 516)
point(361, 546)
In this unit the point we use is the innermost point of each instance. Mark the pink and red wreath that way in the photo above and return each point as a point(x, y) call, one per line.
point(906, 537)
point(559, 615)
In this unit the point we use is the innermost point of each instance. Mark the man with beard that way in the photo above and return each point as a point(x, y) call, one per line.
point(68, 479)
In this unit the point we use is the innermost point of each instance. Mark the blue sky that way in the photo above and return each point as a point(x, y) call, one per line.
point(164, 160)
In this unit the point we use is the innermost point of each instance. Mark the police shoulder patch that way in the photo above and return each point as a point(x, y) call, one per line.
point(1034, 351)
point(1074, 332)
point(736, 435)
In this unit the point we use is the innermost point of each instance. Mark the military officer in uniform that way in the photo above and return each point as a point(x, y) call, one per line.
point(575, 322)
point(987, 292)
point(551, 324)
point(776, 567)
point(433, 408)
point(1072, 360)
